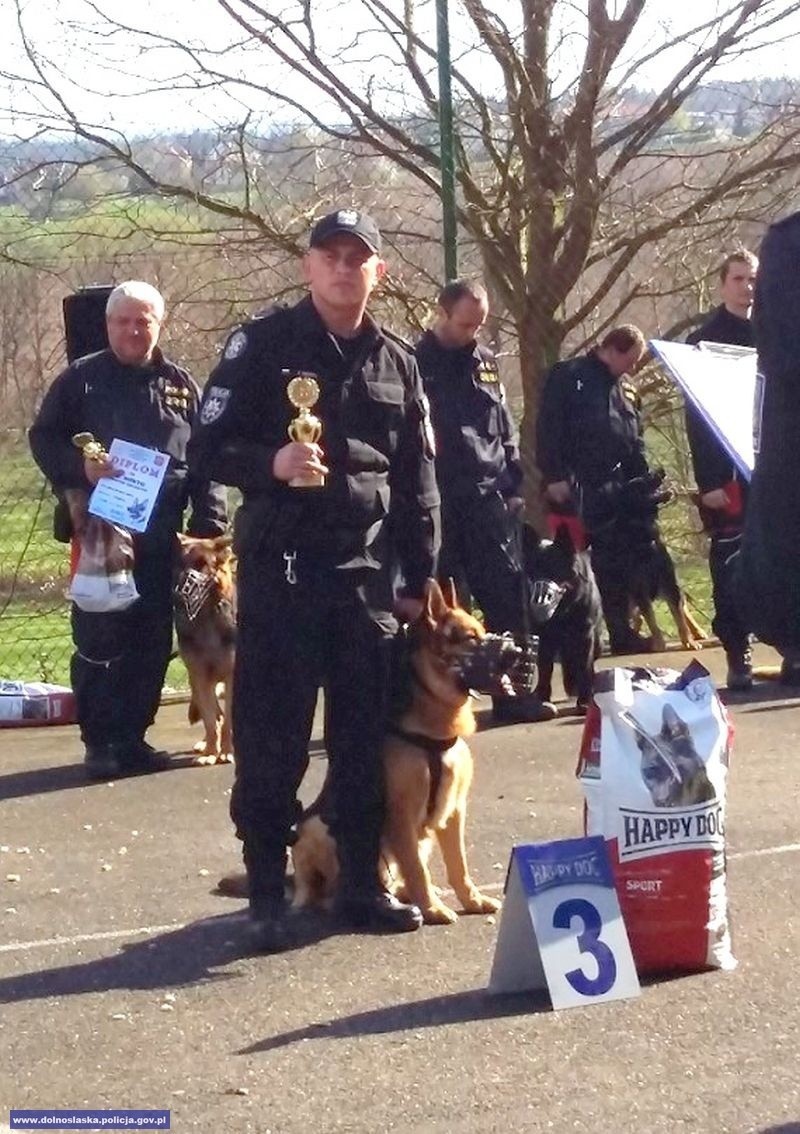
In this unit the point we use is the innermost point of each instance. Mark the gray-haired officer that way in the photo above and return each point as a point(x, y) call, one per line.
point(325, 520)
point(132, 392)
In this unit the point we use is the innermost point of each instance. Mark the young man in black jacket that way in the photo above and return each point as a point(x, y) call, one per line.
point(722, 492)
point(327, 517)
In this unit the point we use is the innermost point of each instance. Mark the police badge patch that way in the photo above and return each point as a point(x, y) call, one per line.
point(215, 404)
point(235, 345)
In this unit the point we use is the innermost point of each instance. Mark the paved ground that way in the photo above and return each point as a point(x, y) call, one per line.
point(122, 984)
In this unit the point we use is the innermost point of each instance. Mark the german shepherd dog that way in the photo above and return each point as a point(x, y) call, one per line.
point(204, 599)
point(671, 768)
point(566, 612)
point(638, 556)
point(428, 768)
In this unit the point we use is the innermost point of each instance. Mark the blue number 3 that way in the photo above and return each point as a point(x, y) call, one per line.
point(588, 942)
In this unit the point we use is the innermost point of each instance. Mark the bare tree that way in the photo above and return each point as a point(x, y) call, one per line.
point(576, 189)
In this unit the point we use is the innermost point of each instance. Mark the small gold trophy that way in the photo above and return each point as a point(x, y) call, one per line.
point(91, 448)
point(303, 392)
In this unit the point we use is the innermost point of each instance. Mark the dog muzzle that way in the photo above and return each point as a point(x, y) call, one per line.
point(499, 664)
point(544, 600)
point(191, 591)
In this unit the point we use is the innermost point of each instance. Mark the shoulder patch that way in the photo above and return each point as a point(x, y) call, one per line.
point(214, 404)
point(236, 345)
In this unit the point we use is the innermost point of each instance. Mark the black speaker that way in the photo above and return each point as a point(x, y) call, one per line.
point(85, 320)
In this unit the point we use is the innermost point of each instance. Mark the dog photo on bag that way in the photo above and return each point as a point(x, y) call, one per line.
point(204, 599)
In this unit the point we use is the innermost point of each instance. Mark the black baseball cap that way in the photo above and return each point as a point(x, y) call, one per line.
point(350, 222)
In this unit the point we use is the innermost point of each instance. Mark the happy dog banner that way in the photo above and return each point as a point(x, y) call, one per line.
point(653, 766)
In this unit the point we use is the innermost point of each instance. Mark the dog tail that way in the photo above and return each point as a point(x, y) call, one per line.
point(194, 713)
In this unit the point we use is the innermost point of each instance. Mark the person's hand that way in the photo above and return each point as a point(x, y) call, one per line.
point(298, 458)
point(95, 470)
point(515, 505)
point(559, 492)
point(716, 499)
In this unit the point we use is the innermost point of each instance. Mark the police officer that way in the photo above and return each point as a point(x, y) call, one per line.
point(722, 490)
point(590, 450)
point(479, 472)
point(325, 520)
point(131, 392)
point(770, 565)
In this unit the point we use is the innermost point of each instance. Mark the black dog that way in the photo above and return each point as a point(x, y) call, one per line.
point(633, 556)
point(565, 611)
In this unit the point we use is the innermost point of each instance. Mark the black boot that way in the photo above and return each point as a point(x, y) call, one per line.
point(267, 928)
point(377, 911)
point(525, 709)
point(361, 901)
point(141, 758)
point(104, 761)
point(740, 670)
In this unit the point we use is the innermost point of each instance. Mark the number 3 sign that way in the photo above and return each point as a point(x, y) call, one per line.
point(561, 926)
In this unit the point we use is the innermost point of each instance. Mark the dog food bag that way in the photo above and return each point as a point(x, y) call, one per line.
point(35, 703)
point(653, 766)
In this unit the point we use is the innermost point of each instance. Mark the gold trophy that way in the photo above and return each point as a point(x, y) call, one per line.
point(91, 448)
point(303, 392)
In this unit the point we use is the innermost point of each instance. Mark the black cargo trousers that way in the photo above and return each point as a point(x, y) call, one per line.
point(293, 639)
point(481, 551)
point(121, 657)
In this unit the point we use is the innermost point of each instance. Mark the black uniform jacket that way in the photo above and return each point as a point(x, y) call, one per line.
point(588, 430)
point(152, 405)
point(770, 567)
point(476, 448)
point(379, 507)
point(713, 467)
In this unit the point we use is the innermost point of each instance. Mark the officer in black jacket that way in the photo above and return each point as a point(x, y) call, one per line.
point(722, 490)
point(133, 393)
point(326, 519)
point(590, 450)
point(479, 473)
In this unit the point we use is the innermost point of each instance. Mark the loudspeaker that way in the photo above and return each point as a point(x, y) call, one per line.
point(85, 320)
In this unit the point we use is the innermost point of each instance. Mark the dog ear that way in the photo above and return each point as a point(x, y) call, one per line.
point(435, 606)
point(450, 594)
point(671, 724)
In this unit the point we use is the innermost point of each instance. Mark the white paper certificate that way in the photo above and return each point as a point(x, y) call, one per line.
point(128, 499)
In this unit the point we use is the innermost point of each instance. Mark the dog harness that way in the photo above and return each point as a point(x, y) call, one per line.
point(433, 748)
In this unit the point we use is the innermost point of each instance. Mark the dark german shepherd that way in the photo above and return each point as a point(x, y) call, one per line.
point(570, 632)
point(204, 597)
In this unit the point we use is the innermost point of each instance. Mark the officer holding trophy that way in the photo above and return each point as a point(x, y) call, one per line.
point(317, 414)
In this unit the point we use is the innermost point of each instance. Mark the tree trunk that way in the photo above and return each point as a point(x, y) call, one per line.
point(540, 338)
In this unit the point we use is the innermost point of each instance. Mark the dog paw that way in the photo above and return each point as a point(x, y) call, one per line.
point(206, 760)
point(481, 904)
point(439, 914)
point(693, 644)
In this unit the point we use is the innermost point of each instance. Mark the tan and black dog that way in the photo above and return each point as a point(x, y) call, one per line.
point(429, 770)
point(205, 622)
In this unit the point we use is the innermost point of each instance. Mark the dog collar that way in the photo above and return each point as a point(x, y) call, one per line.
point(427, 743)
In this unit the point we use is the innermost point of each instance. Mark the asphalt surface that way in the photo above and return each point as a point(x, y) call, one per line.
point(123, 984)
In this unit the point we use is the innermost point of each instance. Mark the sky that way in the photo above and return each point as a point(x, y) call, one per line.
point(91, 49)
